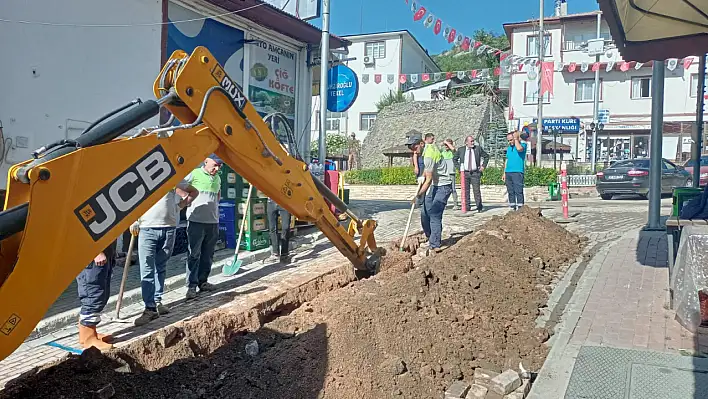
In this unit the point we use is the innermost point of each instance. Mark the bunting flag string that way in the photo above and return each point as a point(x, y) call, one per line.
point(467, 43)
point(428, 77)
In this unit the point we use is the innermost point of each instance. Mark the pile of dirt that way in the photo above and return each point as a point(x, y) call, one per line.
point(404, 333)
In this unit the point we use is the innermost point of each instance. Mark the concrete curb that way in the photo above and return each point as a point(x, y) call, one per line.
point(67, 318)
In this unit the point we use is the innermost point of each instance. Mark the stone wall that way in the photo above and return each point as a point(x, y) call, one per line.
point(451, 118)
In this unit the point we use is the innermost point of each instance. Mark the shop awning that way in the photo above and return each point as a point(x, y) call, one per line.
point(657, 29)
point(279, 21)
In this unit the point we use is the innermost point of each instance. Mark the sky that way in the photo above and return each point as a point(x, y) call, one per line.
point(348, 17)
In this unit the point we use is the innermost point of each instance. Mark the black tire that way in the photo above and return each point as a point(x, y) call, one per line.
point(644, 196)
point(606, 196)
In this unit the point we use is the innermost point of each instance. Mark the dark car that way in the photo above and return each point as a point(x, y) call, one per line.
point(704, 169)
point(632, 177)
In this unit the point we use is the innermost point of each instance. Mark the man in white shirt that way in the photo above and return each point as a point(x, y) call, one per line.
point(156, 231)
point(472, 160)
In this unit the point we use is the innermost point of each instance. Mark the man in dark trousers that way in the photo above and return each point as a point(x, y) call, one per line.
point(472, 160)
point(514, 170)
point(94, 286)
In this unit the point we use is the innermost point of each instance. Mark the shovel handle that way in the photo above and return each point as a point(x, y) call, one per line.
point(243, 220)
point(128, 258)
point(408, 224)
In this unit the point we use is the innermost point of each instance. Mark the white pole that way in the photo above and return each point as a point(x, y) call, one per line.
point(324, 67)
point(541, 48)
point(596, 104)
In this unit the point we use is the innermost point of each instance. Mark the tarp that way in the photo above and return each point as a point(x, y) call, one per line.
point(657, 29)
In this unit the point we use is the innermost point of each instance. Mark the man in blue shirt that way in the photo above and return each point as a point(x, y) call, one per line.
point(514, 170)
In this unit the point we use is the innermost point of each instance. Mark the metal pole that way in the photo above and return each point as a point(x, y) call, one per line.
point(696, 149)
point(655, 144)
point(596, 103)
point(555, 165)
point(541, 48)
point(324, 67)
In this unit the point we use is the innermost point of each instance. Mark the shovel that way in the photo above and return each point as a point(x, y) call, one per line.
point(408, 224)
point(231, 269)
point(128, 258)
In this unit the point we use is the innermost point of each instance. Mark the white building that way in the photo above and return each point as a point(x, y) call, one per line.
point(385, 55)
point(625, 95)
point(76, 60)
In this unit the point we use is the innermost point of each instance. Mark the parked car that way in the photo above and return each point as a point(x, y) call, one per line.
point(688, 165)
point(632, 177)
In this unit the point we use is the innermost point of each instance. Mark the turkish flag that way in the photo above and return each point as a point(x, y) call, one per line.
point(377, 78)
point(426, 77)
point(687, 62)
point(596, 66)
point(451, 36)
point(624, 66)
point(438, 27)
point(547, 77)
point(477, 44)
point(419, 14)
point(466, 44)
point(572, 66)
point(449, 75)
point(497, 71)
point(402, 79)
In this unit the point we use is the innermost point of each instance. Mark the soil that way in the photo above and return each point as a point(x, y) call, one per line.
point(407, 332)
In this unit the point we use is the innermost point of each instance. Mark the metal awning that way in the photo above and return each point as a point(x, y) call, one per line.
point(657, 29)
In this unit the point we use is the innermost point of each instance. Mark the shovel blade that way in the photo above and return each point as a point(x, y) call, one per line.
point(231, 269)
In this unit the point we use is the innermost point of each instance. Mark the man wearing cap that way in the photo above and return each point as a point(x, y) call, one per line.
point(438, 180)
point(203, 224)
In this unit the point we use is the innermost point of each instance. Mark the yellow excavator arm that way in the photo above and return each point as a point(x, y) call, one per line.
point(76, 197)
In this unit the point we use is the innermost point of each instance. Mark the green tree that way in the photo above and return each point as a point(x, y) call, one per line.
point(391, 98)
point(336, 145)
point(457, 59)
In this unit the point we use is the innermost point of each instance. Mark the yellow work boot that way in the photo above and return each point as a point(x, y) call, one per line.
point(107, 338)
point(88, 338)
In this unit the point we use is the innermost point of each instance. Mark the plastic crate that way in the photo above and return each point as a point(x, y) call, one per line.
point(231, 184)
point(228, 234)
point(681, 196)
point(259, 206)
point(554, 191)
point(227, 211)
point(253, 241)
point(256, 223)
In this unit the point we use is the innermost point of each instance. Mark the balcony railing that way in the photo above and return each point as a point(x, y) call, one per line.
point(571, 46)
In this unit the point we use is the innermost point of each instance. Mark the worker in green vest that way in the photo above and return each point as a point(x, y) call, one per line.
point(203, 224)
point(448, 154)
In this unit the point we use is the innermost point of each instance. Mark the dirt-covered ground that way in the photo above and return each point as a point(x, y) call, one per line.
point(408, 332)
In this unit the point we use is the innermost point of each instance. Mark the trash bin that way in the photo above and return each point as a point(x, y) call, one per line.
point(554, 191)
point(681, 196)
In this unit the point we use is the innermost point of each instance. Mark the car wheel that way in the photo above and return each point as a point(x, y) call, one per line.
point(606, 196)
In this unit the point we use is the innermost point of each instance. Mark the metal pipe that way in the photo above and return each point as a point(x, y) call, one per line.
point(596, 103)
point(541, 48)
point(324, 66)
point(697, 147)
point(655, 144)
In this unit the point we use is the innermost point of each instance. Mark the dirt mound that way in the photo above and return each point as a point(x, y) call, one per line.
point(402, 333)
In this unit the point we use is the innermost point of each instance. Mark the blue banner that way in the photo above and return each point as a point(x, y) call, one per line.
point(342, 88)
point(561, 125)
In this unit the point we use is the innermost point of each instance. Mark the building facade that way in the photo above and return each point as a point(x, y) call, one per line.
point(378, 59)
point(625, 90)
point(93, 57)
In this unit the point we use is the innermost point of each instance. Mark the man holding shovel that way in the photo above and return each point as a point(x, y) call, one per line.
point(156, 231)
point(438, 179)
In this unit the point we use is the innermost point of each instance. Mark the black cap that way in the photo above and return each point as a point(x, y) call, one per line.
point(413, 137)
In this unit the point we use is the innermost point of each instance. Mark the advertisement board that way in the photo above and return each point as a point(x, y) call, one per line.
point(302, 9)
point(272, 79)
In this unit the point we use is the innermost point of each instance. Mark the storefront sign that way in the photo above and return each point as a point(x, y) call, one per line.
point(272, 79)
point(561, 125)
point(342, 88)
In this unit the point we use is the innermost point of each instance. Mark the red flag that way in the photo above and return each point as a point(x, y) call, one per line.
point(377, 78)
point(572, 66)
point(503, 56)
point(426, 77)
point(451, 36)
point(419, 14)
point(466, 44)
point(547, 77)
point(687, 62)
point(511, 113)
point(473, 74)
point(402, 79)
point(596, 66)
point(497, 71)
point(521, 67)
point(449, 75)
point(438, 27)
point(624, 66)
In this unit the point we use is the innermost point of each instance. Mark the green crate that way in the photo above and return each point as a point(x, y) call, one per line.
point(681, 196)
point(554, 191)
point(231, 184)
point(253, 223)
point(253, 241)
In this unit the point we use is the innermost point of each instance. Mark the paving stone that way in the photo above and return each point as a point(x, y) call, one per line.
point(505, 382)
point(484, 376)
point(457, 390)
point(477, 392)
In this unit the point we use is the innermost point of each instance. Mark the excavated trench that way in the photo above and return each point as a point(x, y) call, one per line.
point(407, 332)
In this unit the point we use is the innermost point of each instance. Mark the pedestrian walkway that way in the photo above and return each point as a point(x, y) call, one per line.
point(618, 320)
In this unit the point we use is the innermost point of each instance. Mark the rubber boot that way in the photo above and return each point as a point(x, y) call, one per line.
point(88, 338)
point(107, 338)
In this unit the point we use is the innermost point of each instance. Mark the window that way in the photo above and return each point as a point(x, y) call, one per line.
point(576, 40)
point(694, 84)
point(641, 87)
point(531, 93)
point(376, 50)
point(366, 121)
point(669, 166)
point(637, 163)
point(585, 90)
point(333, 119)
point(532, 45)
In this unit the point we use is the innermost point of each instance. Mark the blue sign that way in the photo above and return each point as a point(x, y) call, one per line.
point(342, 88)
point(603, 116)
point(561, 125)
